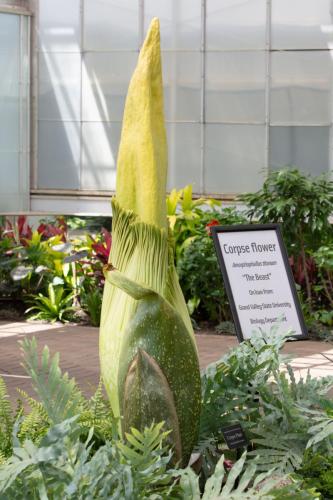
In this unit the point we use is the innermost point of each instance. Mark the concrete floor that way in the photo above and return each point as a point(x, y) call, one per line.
point(78, 348)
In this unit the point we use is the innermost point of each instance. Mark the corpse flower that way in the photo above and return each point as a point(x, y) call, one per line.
point(148, 354)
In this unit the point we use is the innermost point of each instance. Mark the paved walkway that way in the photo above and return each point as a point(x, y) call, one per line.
point(78, 347)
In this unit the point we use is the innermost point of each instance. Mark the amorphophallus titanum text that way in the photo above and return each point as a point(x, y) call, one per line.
point(148, 355)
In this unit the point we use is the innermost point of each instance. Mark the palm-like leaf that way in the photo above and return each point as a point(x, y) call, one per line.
point(53, 307)
point(242, 483)
point(59, 395)
point(321, 431)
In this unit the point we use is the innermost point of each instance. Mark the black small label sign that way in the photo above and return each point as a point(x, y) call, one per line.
point(234, 436)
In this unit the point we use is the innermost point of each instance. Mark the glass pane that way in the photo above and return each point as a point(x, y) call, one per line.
point(184, 155)
point(302, 24)
point(9, 172)
point(306, 148)
point(301, 87)
point(9, 52)
point(235, 86)
point(234, 158)
point(59, 86)
point(9, 67)
point(15, 187)
point(111, 25)
point(14, 112)
point(105, 79)
point(59, 155)
point(99, 155)
point(10, 118)
point(9, 31)
point(180, 22)
point(59, 25)
point(234, 24)
point(182, 83)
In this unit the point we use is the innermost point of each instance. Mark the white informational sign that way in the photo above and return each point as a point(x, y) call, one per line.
point(258, 279)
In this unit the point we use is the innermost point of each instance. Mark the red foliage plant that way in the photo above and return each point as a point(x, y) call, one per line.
point(58, 229)
point(213, 222)
point(22, 230)
point(102, 249)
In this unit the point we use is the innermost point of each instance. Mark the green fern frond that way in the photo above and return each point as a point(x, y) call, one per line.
point(5, 407)
point(98, 405)
point(35, 405)
point(140, 447)
point(34, 425)
point(240, 484)
point(97, 413)
point(308, 388)
point(322, 430)
point(207, 449)
point(148, 458)
point(6, 420)
point(281, 453)
point(60, 396)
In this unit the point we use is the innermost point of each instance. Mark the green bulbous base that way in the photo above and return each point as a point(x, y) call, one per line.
point(158, 330)
point(159, 375)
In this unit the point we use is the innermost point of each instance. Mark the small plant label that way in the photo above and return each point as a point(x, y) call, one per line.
point(234, 436)
point(258, 279)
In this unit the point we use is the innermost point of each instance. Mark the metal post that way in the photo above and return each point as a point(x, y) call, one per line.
point(141, 20)
point(268, 46)
point(202, 96)
point(33, 96)
point(82, 59)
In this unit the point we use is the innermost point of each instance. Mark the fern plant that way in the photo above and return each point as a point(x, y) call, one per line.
point(60, 395)
point(242, 483)
point(6, 422)
point(68, 447)
point(322, 430)
point(63, 466)
point(60, 398)
point(231, 387)
point(253, 385)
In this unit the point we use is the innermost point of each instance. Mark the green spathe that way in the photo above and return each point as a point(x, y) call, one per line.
point(158, 351)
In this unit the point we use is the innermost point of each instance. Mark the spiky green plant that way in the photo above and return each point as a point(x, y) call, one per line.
point(59, 399)
point(148, 354)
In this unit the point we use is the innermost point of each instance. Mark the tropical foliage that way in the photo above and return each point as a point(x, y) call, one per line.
point(69, 447)
point(190, 221)
point(300, 203)
point(32, 259)
point(56, 272)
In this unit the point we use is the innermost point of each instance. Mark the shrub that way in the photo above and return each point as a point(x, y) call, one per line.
point(302, 204)
point(317, 472)
point(202, 283)
point(199, 274)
